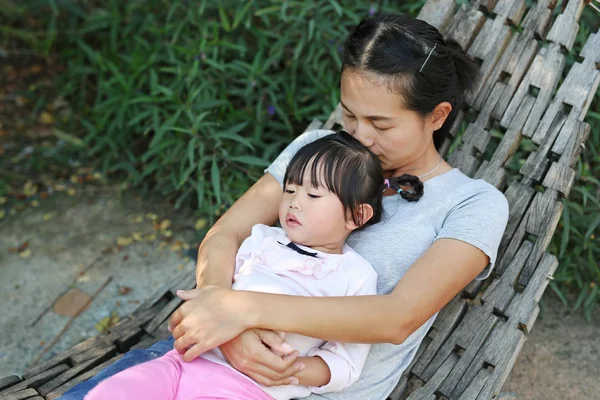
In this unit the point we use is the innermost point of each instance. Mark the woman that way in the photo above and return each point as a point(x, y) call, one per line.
point(401, 86)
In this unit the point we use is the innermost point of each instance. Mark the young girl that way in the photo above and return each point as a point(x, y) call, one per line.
point(333, 186)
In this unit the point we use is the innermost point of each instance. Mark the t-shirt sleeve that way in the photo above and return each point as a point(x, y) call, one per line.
point(279, 165)
point(478, 216)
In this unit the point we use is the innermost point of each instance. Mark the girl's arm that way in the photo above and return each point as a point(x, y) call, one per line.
point(216, 315)
point(247, 352)
point(216, 255)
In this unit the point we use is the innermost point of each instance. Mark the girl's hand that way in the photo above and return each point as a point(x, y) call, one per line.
point(264, 356)
point(210, 317)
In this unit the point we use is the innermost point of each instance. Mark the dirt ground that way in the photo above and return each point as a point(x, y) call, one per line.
point(561, 359)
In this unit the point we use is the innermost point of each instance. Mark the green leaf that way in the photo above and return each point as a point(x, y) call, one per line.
point(216, 180)
point(251, 160)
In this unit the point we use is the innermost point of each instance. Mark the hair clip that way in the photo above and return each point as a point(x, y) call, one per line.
point(427, 59)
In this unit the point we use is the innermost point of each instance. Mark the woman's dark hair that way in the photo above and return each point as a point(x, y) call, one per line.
point(396, 47)
point(346, 168)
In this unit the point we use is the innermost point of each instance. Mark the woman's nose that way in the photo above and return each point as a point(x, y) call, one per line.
point(364, 136)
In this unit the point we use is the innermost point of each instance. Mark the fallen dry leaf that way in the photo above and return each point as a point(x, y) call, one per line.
point(150, 237)
point(137, 236)
point(107, 322)
point(167, 234)
point(70, 303)
point(165, 224)
point(47, 217)
point(3, 200)
point(34, 203)
point(71, 192)
point(2, 214)
point(151, 216)
point(124, 290)
point(25, 254)
point(124, 240)
point(46, 118)
point(200, 223)
point(136, 218)
point(29, 189)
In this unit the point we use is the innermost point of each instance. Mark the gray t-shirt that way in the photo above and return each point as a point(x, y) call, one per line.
point(453, 206)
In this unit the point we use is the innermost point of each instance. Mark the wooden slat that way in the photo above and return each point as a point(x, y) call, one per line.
point(565, 28)
point(492, 171)
point(543, 75)
point(542, 220)
point(502, 289)
point(539, 17)
point(438, 13)
point(443, 326)
point(489, 45)
point(515, 62)
point(465, 25)
point(68, 375)
point(476, 385)
point(163, 315)
point(497, 351)
point(9, 381)
point(428, 391)
point(469, 336)
point(523, 308)
point(511, 10)
point(36, 381)
point(59, 391)
point(22, 394)
point(106, 350)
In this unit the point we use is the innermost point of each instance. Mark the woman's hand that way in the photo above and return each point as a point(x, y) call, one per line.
point(209, 317)
point(264, 356)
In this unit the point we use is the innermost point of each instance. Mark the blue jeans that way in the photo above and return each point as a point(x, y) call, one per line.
point(130, 359)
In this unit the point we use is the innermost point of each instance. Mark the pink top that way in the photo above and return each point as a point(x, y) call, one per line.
point(265, 264)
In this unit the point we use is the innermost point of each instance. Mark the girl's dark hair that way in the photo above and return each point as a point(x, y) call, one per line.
point(395, 47)
point(345, 167)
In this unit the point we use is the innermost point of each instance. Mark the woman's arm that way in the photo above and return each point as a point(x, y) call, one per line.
point(215, 316)
point(216, 255)
point(435, 278)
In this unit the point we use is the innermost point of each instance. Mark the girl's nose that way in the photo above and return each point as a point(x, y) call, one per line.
point(294, 203)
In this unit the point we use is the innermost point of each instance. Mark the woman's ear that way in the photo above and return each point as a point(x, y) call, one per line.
point(363, 212)
point(439, 114)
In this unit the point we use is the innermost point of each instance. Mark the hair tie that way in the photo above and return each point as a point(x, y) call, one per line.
point(386, 182)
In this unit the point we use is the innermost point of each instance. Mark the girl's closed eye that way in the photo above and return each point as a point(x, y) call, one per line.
point(313, 196)
point(289, 191)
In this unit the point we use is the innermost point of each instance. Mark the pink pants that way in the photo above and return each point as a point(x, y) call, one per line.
point(169, 377)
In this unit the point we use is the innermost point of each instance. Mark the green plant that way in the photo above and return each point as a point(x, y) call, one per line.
point(194, 98)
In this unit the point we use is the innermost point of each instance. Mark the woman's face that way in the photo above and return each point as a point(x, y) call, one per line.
point(379, 120)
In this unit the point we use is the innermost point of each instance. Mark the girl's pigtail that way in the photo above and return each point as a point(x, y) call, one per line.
point(414, 190)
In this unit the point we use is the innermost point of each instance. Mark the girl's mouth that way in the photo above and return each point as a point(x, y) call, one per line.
point(291, 220)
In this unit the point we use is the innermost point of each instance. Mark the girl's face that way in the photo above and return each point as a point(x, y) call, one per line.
point(314, 217)
point(378, 119)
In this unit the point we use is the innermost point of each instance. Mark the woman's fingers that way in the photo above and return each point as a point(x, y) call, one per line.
point(268, 377)
point(275, 341)
point(175, 319)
